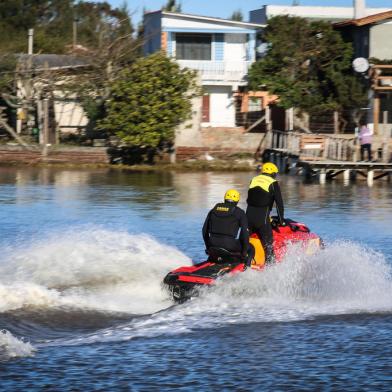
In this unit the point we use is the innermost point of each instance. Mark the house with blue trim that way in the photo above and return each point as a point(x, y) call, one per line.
point(220, 50)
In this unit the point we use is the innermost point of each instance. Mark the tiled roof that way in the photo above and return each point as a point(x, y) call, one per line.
point(366, 20)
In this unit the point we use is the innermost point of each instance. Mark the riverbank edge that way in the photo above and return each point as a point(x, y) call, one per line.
point(191, 166)
point(99, 157)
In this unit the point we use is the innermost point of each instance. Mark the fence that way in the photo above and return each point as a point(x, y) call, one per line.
point(340, 148)
point(312, 146)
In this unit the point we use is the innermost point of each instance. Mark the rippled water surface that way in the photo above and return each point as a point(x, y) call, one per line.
point(83, 254)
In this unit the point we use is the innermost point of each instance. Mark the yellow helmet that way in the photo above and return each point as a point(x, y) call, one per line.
point(232, 195)
point(269, 168)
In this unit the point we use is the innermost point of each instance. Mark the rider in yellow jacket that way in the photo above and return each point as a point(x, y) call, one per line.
point(263, 192)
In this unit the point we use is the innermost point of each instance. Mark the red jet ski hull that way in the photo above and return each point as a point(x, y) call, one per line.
point(183, 282)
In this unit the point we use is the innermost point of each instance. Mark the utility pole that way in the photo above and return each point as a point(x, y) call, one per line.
point(45, 133)
point(359, 9)
point(22, 112)
point(30, 42)
point(75, 33)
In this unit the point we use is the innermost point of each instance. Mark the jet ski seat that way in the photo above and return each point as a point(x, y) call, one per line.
point(221, 255)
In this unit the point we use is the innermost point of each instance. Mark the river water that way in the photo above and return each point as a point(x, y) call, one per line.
point(83, 254)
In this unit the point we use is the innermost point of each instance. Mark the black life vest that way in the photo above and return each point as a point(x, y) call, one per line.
point(259, 193)
point(223, 220)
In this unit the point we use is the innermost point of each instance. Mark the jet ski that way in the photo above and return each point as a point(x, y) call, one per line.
point(183, 283)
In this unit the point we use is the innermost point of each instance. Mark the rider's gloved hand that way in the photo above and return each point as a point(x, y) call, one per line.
point(244, 257)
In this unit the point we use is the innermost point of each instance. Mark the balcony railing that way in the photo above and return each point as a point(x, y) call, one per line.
point(224, 71)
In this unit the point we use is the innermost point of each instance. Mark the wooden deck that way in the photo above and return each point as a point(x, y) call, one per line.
point(338, 165)
point(330, 169)
point(323, 147)
point(325, 156)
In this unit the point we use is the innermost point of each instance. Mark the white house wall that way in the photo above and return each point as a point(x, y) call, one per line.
point(380, 41)
point(232, 52)
point(70, 116)
point(222, 110)
point(235, 47)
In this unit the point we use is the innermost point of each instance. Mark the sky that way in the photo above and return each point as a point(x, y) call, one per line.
point(224, 8)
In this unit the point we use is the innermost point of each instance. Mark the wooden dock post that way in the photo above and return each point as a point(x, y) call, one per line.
point(45, 130)
point(386, 137)
point(286, 164)
point(370, 177)
point(323, 176)
point(376, 112)
point(335, 122)
point(372, 171)
point(346, 176)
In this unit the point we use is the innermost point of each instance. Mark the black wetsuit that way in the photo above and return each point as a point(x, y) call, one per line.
point(226, 226)
point(260, 202)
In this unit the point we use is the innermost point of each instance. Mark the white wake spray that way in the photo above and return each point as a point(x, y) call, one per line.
point(344, 278)
point(94, 269)
point(11, 347)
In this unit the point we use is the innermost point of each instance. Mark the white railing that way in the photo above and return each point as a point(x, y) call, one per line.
point(227, 71)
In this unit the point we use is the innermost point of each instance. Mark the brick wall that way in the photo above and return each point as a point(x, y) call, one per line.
point(77, 155)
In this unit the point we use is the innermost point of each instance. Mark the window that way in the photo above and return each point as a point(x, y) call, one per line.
point(193, 46)
point(255, 104)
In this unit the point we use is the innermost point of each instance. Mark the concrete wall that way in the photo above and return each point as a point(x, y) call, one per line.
point(230, 139)
point(221, 143)
point(380, 41)
point(188, 134)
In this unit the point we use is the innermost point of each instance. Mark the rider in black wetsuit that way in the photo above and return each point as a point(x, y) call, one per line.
point(263, 191)
point(226, 226)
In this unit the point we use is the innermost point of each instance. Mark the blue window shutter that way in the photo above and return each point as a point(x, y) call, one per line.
point(170, 43)
point(219, 40)
point(251, 47)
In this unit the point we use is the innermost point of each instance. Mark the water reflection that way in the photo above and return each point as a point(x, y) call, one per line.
point(73, 232)
point(163, 202)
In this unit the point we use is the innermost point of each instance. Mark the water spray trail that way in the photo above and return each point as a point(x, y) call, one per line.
point(97, 269)
point(345, 278)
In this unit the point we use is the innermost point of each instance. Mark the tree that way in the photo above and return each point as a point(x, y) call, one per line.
point(53, 22)
point(104, 36)
point(237, 16)
point(172, 6)
point(148, 101)
point(308, 65)
point(112, 47)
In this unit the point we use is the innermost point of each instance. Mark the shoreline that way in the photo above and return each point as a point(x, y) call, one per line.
point(194, 166)
point(66, 156)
